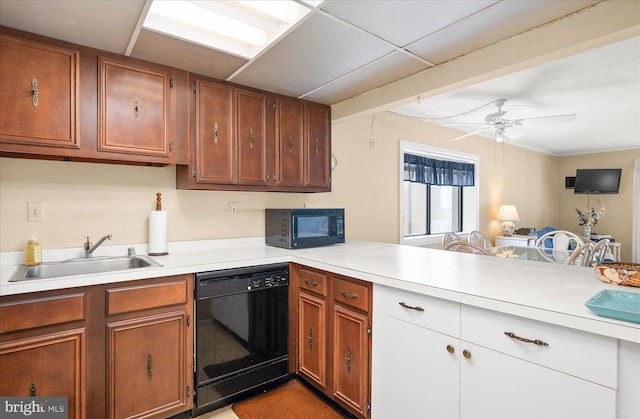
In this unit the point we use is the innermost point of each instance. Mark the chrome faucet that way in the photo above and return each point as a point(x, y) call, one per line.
point(89, 249)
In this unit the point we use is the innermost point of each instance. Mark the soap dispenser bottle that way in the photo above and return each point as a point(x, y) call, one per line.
point(33, 252)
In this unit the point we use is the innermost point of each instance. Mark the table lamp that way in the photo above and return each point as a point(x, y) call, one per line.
point(508, 214)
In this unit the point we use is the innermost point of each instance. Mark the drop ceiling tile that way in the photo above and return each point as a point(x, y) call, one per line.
point(163, 49)
point(315, 53)
point(390, 68)
point(100, 24)
point(403, 22)
point(493, 24)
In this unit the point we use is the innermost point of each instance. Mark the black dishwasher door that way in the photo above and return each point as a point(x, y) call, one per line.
point(241, 336)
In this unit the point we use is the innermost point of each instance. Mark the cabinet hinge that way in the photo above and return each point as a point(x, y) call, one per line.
point(188, 391)
point(171, 82)
point(193, 87)
point(368, 405)
point(193, 172)
point(368, 330)
point(170, 146)
point(188, 320)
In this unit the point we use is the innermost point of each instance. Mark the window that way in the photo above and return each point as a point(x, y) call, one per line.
point(438, 193)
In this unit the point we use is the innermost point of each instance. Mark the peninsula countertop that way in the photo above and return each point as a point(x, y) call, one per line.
point(551, 293)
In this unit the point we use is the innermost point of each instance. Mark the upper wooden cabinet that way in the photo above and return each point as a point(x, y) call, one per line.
point(246, 139)
point(39, 86)
point(317, 123)
point(290, 142)
point(133, 110)
point(251, 137)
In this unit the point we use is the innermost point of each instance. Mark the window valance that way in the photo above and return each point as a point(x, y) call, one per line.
point(430, 171)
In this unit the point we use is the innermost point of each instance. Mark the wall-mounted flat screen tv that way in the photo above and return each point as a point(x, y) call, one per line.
point(597, 181)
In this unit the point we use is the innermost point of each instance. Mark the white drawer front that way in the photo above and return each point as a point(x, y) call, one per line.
point(432, 313)
point(589, 356)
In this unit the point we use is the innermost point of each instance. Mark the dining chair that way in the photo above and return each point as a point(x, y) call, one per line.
point(465, 247)
point(599, 251)
point(560, 239)
point(480, 239)
point(450, 238)
point(582, 256)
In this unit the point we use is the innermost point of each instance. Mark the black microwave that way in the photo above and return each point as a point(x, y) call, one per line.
point(298, 228)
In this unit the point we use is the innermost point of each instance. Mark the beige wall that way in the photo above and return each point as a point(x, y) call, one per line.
point(618, 217)
point(83, 199)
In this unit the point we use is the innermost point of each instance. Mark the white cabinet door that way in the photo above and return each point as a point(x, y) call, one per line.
point(414, 375)
point(495, 385)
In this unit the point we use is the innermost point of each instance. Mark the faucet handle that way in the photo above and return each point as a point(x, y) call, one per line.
point(131, 251)
point(87, 244)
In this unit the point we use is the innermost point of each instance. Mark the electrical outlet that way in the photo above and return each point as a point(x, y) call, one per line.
point(35, 211)
point(233, 208)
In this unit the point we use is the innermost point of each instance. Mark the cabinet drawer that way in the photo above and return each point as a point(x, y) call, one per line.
point(313, 281)
point(351, 294)
point(41, 312)
point(581, 354)
point(429, 312)
point(143, 297)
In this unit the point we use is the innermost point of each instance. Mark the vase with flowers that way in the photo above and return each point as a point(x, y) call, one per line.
point(589, 218)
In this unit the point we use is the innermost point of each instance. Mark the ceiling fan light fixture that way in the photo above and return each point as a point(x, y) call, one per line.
point(500, 135)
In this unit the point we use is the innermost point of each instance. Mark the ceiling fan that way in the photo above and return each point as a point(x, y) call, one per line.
point(504, 122)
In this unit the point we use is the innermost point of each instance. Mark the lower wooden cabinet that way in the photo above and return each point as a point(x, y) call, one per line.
point(146, 367)
point(119, 350)
point(46, 365)
point(334, 330)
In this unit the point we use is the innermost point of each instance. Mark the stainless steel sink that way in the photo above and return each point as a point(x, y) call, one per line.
point(82, 266)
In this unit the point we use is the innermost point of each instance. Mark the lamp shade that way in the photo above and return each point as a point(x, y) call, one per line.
point(508, 213)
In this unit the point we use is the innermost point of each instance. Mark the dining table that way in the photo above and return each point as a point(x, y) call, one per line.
point(540, 254)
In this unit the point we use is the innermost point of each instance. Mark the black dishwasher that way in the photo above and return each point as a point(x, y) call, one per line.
point(241, 337)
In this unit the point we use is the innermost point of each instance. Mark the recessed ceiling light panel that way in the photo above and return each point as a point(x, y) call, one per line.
point(241, 28)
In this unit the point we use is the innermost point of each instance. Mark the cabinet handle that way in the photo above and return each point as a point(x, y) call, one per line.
point(310, 338)
point(416, 308)
point(309, 282)
point(215, 133)
point(290, 143)
point(450, 349)
point(525, 340)
point(32, 390)
point(149, 367)
point(250, 137)
point(136, 109)
point(347, 295)
point(317, 146)
point(466, 354)
point(347, 359)
point(34, 92)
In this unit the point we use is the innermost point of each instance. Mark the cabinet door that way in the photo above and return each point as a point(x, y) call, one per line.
point(133, 110)
point(214, 133)
point(496, 385)
point(421, 362)
point(49, 365)
point(351, 359)
point(251, 137)
point(317, 147)
point(312, 342)
point(289, 129)
point(146, 374)
point(39, 89)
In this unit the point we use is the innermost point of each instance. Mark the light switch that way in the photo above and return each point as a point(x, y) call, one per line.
point(35, 211)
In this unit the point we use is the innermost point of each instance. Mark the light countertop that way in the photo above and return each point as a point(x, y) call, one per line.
point(552, 293)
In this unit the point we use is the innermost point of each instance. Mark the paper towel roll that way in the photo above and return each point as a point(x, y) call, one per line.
point(158, 233)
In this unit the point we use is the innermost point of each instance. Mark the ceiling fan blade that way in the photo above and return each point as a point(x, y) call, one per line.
point(470, 134)
point(547, 119)
point(463, 124)
point(517, 112)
